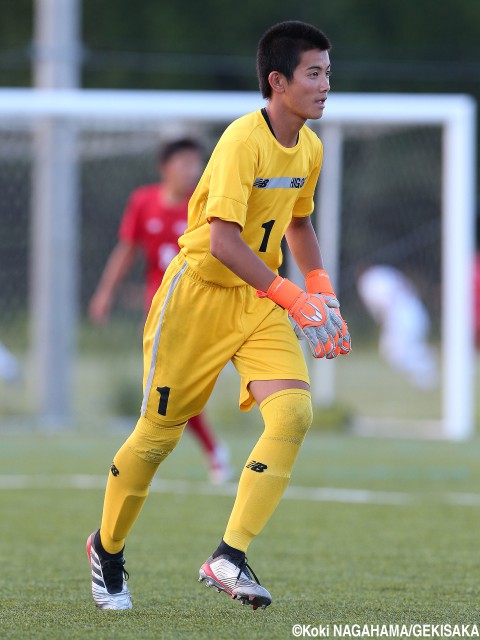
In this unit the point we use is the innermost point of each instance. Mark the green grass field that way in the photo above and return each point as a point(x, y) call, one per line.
point(372, 531)
point(399, 544)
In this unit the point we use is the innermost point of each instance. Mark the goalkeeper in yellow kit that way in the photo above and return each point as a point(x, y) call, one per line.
point(221, 299)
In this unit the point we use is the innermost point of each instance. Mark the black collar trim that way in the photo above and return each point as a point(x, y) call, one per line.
point(267, 120)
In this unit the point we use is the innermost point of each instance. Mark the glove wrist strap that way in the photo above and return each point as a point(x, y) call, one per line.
point(318, 281)
point(283, 292)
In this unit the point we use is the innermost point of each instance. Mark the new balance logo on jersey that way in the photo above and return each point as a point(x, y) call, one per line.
point(259, 467)
point(114, 470)
point(261, 183)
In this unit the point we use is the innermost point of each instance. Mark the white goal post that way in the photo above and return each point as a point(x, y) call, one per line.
point(57, 114)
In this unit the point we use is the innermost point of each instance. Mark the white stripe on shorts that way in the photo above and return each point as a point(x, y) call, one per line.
point(156, 340)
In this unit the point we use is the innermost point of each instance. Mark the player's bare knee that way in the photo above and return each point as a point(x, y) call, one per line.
point(153, 442)
point(288, 414)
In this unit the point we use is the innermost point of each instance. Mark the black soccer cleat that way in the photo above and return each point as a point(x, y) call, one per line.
point(109, 578)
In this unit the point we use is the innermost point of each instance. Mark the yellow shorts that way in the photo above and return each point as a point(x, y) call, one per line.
point(195, 327)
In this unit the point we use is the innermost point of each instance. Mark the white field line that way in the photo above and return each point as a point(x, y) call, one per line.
point(188, 487)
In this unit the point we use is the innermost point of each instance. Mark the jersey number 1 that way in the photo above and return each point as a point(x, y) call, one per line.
point(268, 230)
point(162, 405)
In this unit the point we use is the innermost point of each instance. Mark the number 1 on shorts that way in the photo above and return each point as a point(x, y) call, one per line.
point(162, 405)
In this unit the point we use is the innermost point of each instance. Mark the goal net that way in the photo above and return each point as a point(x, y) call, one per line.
point(396, 190)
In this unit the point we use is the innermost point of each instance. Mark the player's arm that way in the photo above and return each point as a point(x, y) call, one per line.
point(118, 265)
point(309, 311)
point(227, 245)
point(303, 244)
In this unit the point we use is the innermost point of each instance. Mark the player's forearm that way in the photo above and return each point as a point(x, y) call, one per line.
point(303, 244)
point(246, 265)
point(227, 245)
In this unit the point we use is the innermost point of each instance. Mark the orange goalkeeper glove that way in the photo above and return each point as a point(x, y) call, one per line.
point(309, 312)
point(318, 282)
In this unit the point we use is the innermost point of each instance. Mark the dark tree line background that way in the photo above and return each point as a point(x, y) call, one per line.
point(379, 45)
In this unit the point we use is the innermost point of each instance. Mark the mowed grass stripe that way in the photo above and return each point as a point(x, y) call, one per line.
point(185, 487)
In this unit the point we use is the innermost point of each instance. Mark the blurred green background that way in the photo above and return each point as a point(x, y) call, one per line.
point(378, 45)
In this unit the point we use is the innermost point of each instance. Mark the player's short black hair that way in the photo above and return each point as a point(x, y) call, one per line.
point(166, 151)
point(281, 47)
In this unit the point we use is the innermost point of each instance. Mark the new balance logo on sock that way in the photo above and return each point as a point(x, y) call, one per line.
point(114, 470)
point(259, 467)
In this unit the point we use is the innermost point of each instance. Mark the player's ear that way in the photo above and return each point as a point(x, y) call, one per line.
point(277, 81)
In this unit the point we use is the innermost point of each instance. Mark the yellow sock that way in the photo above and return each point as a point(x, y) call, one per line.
point(130, 476)
point(287, 415)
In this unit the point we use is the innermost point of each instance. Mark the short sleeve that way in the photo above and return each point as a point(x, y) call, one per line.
point(232, 175)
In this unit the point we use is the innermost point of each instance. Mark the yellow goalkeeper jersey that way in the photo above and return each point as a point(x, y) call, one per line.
point(251, 179)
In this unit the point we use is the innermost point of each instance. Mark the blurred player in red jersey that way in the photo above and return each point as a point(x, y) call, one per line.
point(155, 217)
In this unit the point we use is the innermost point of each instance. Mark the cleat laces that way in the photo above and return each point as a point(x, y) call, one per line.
point(114, 574)
point(243, 566)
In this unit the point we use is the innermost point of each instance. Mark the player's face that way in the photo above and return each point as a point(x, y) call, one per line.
point(182, 171)
point(307, 91)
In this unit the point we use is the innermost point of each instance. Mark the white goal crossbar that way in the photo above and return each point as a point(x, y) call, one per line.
point(455, 114)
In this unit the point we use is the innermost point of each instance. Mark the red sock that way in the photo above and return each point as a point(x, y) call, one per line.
point(202, 431)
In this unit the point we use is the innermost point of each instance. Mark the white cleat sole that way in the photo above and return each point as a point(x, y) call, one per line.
point(252, 600)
